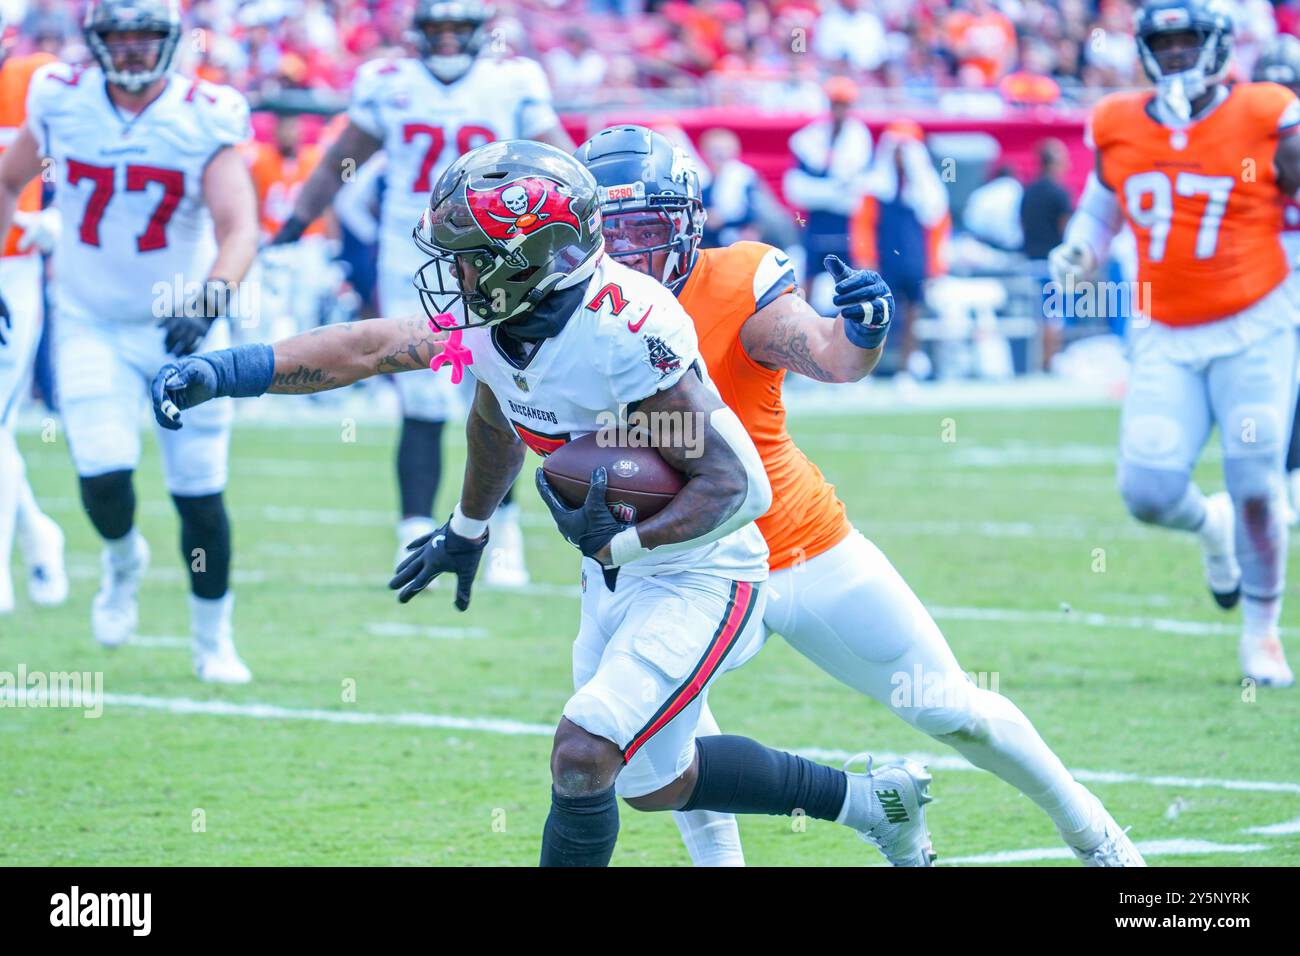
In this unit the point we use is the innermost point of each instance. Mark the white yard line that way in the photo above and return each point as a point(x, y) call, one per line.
point(1175, 847)
point(515, 728)
point(398, 629)
point(79, 571)
point(1276, 829)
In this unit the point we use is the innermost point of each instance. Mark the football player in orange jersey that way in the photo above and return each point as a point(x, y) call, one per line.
point(1280, 63)
point(21, 308)
point(1199, 170)
point(833, 595)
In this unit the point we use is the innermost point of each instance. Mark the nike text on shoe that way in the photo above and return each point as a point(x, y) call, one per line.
point(898, 793)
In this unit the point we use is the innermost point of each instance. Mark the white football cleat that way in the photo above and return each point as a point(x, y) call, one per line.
point(114, 613)
point(408, 529)
point(47, 580)
point(1218, 547)
point(213, 646)
point(899, 793)
point(504, 562)
point(1115, 848)
point(1263, 661)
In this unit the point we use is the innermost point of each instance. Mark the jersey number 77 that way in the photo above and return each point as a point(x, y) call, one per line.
point(138, 179)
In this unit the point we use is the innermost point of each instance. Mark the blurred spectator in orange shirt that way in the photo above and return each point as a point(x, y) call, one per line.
point(279, 169)
point(1031, 85)
point(980, 36)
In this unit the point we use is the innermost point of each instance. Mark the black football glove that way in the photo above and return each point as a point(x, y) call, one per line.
point(431, 555)
point(6, 322)
point(176, 387)
point(186, 331)
point(589, 527)
point(865, 300)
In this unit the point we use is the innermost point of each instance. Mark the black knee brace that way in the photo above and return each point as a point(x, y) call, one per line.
point(109, 501)
point(205, 543)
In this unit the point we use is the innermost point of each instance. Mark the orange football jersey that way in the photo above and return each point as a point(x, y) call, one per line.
point(722, 291)
point(15, 76)
point(1203, 202)
point(278, 181)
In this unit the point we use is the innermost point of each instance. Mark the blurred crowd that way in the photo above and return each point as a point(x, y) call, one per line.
point(773, 54)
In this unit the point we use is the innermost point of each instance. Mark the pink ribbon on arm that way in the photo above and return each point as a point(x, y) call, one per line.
point(453, 352)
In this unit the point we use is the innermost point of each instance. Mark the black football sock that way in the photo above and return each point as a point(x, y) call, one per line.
point(739, 775)
point(580, 831)
point(1293, 454)
point(419, 466)
point(205, 543)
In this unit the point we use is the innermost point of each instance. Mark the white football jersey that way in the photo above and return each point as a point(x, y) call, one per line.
point(130, 188)
point(425, 125)
point(629, 339)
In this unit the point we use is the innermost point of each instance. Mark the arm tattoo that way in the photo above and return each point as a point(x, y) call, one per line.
point(416, 352)
point(788, 347)
point(493, 457)
point(715, 479)
point(302, 381)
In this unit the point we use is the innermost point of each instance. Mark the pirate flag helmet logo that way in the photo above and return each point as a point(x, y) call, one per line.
point(507, 224)
point(522, 207)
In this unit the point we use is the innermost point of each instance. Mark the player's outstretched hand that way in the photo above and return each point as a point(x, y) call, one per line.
point(6, 322)
point(176, 387)
point(1070, 260)
point(431, 555)
point(863, 297)
point(592, 525)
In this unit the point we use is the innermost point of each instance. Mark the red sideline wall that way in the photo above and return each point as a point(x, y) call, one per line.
point(764, 136)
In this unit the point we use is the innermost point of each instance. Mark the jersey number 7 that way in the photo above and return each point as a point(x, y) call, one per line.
point(138, 179)
point(1150, 201)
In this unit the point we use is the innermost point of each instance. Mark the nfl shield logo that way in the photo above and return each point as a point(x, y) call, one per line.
point(623, 512)
point(521, 382)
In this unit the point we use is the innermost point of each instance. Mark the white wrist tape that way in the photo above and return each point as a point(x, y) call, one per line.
point(466, 527)
point(626, 547)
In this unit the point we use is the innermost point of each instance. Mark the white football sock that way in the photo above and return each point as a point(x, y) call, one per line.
point(210, 619)
point(123, 551)
point(1260, 615)
point(1006, 744)
point(712, 838)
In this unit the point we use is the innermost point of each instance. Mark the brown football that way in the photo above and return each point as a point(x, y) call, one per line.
point(640, 482)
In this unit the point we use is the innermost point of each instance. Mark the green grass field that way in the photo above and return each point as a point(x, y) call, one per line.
point(441, 757)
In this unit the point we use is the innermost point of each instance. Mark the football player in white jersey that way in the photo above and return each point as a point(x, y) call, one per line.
point(160, 225)
point(425, 111)
point(21, 317)
point(563, 342)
